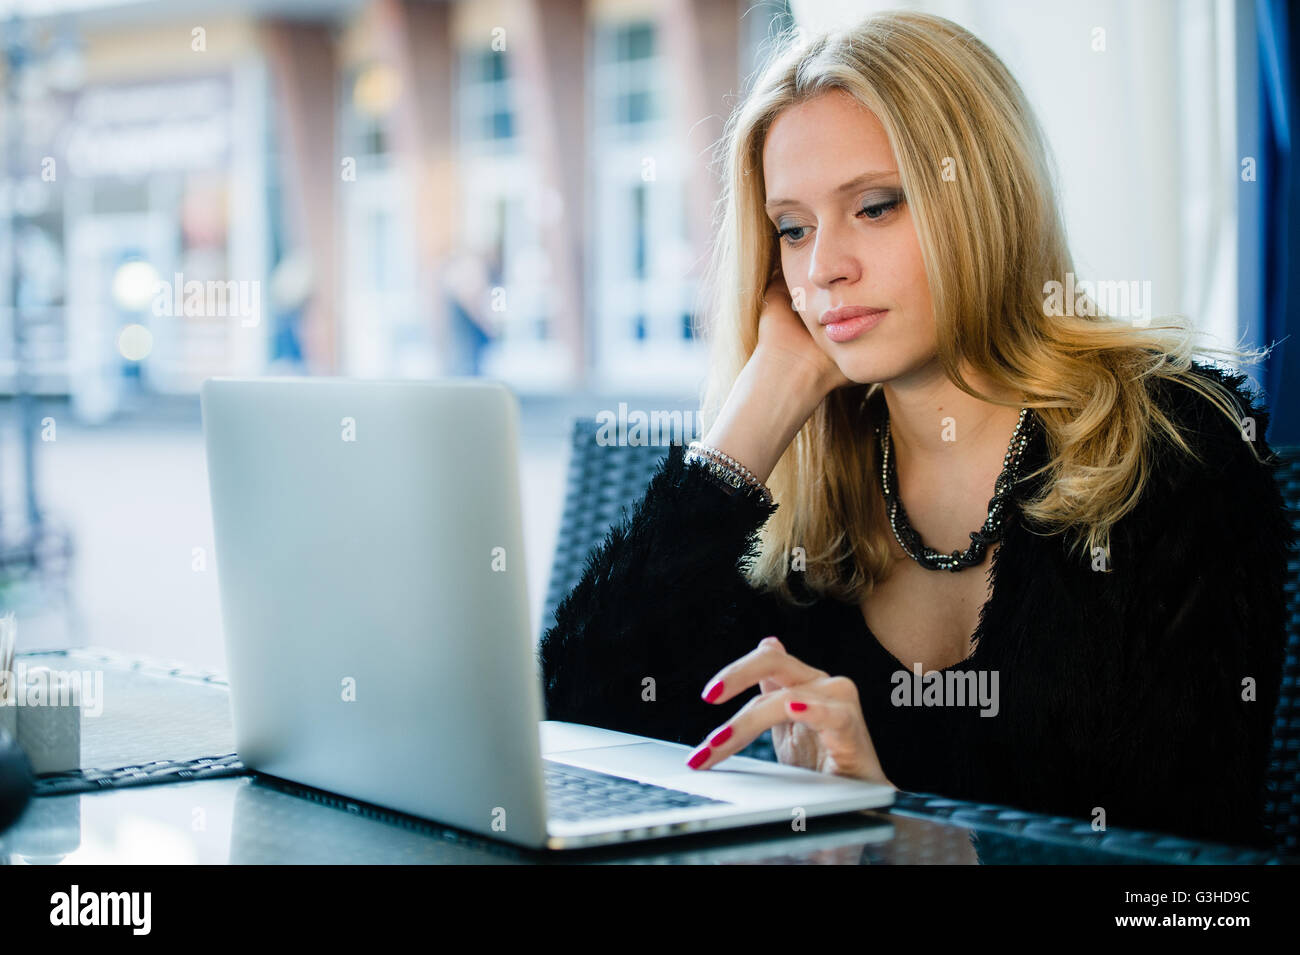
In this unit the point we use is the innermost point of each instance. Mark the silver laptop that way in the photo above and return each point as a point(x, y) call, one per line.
point(370, 556)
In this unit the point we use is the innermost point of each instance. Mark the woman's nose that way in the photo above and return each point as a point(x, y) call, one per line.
point(832, 260)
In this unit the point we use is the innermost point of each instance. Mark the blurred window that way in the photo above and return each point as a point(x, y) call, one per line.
point(487, 121)
point(627, 76)
point(642, 295)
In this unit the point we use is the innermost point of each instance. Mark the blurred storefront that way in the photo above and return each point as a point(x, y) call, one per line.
point(392, 188)
point(150, 215)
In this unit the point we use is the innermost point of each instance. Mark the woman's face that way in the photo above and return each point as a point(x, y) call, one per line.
point(848, 238)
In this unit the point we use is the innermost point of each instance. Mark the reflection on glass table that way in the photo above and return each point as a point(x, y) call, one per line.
point(258, 820)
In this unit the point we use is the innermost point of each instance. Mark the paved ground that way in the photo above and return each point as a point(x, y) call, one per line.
point(135, 495)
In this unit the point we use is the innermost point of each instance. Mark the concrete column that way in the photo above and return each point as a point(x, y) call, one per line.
point(701, 41)
point(415, 39)
point(304, 68)
point(547, 46)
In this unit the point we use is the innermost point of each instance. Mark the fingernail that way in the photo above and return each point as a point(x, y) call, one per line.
point(721, 736)
point(713, 691)
point(798, 707)
point(699, 759)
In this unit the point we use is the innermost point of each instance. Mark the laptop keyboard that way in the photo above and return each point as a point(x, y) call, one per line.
point(574, 794)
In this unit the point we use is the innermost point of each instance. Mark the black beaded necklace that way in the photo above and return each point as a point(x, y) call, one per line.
point(991, 532)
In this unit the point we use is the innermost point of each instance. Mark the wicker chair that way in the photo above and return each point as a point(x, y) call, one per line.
point(604, 482)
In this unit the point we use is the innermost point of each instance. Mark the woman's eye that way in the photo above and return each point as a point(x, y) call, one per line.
point(878, 210)
point(872, 210)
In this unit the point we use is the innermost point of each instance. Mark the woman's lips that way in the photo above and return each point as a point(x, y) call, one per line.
point(856, 324)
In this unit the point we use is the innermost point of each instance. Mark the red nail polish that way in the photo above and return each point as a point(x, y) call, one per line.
point(713, 692)
point(699, 759)
point(798, 707)
point(721, 736)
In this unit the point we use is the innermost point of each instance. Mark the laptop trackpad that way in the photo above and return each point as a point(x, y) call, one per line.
point(645, 761)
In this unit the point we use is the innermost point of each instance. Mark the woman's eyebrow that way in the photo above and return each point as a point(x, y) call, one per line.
point(857, 182)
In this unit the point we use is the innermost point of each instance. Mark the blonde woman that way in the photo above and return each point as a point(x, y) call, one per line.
point(940, 532)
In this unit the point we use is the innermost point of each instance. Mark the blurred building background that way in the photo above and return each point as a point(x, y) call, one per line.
point(519, 189)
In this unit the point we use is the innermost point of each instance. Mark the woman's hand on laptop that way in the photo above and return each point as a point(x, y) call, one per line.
point(816, 719)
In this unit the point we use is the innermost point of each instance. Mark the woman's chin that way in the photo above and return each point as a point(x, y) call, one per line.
point(860, 374)
point(870, 368)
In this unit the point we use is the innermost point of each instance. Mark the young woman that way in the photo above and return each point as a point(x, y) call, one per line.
point(944, 531)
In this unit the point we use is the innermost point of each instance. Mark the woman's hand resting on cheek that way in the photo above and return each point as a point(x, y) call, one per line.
point(782, 333)
point(816, 719)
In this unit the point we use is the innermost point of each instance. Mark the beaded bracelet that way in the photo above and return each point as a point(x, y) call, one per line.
point(726, 469)
point(729, 480)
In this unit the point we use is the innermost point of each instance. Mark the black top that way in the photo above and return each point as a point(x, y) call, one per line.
point(1146, 691)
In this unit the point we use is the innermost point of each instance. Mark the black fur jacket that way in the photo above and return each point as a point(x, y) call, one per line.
point(1140, 697)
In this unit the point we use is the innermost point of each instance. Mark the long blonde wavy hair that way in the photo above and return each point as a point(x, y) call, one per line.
point(989, 248)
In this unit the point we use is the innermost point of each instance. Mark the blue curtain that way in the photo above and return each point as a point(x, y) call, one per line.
point(1269, 217)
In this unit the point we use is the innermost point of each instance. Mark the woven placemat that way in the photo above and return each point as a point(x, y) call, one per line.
point(158, 723)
